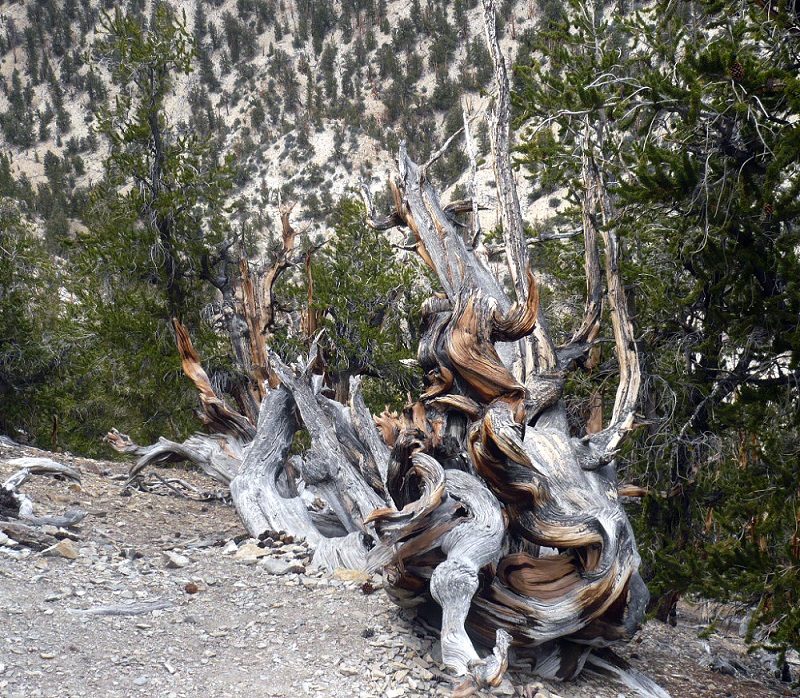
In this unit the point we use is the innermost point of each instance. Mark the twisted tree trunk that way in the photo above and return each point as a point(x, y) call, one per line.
point(483, 511)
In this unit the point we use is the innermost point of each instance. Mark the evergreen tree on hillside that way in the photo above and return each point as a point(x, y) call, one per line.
point(17, 121)
point(689, 113)
point(178, 187)
point(155, 224)
point(364, 297)
point(31, 323)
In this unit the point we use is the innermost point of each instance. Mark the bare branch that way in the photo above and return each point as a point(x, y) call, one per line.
point(500, 121)
point(511, 215)
point(630, 375)
point(472, 154)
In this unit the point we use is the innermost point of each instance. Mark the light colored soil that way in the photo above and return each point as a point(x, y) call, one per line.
point(246, 632)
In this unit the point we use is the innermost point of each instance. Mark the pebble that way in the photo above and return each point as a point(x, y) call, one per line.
point(250, 552)
point(173, 560)
point(281, 567)
point(504, 689)
point(347, 575)
point(64, 548)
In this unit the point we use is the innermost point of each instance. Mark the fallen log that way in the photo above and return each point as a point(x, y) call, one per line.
point(133, 608)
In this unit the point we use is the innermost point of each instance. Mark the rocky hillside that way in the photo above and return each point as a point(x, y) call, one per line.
point(310, 97)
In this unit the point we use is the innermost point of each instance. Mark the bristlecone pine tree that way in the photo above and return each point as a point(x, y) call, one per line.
point(482, 510)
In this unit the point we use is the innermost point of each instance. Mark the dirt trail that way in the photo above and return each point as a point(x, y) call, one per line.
point(237, 625)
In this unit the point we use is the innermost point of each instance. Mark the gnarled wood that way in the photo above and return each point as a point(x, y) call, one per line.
point(484, 512)
point(560, 492)
point(216, 414)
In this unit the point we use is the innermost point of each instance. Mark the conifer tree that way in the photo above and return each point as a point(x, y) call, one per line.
point(155, 224)
point(30, 320)
point(715, 197)
point(363, 295)
point(687, 111)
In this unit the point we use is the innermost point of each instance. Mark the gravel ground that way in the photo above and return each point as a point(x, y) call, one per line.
point(237, 620)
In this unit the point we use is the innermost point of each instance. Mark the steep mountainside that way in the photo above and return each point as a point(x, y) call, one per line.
point(310, 97)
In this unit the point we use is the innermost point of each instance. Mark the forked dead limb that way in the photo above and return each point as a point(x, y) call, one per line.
point(17, 505)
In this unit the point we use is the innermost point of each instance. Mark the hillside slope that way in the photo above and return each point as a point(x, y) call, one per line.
point(311, 98)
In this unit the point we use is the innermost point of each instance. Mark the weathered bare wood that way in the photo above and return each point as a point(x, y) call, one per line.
point(352, 446)
point(258, 306)
point(28, 535)
point(176, 486)
point(510, 213)
point(590, 326)
point(16, 505)
point(610, 665)
point(500, 139)
point(559, 491)
point(366, 429)
point(217, 455)
point(479, 505)
point(39, 466)
point(469, 547)
point(623, 416)
point(326, 466)
point(472, 156)
point(69, 518)
point(122, 443)
point(255, 491)
point(216, 414)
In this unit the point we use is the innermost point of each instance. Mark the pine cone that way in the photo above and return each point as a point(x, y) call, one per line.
point(769, 209)
point(737, 71)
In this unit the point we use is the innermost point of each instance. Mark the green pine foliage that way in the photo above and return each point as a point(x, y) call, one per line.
point(716, 197)
point(690, 111)
point(144, 255)
point(31, 325)
point(368, 303)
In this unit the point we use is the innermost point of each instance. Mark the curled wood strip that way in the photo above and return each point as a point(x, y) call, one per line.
point(216, 414)
point(389, 425)
point(520, 320)
point(472, 353)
